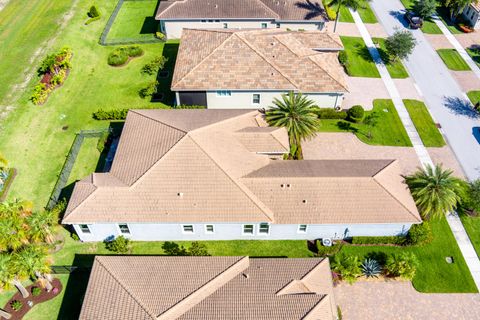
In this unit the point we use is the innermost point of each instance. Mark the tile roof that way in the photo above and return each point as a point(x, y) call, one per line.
point(476, 5)
point(221, 169)
point(159, 287)
point(280, 10)
point(271, 59)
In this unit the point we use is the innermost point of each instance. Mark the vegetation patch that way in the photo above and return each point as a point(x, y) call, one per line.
point(426, 127)
point(474, 96)
point(358, 61)
point(93, 15)
point(395, 68)
point(453, 60)
point(121, 56)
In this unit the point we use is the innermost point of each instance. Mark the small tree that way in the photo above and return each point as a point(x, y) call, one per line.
point(455, 7)
point(371, 121)
point(119, 244)
point(150, 90)
point(152, 67)
point(425, 8)
point(197, 249)
point(400, 45)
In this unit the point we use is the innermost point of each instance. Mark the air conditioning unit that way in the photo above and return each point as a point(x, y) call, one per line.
point(327, 242)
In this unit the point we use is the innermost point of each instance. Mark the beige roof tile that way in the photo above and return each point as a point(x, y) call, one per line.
point(271, 59)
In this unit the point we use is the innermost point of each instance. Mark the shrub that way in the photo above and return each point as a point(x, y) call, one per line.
point(40, 93)
point(323, 251)
point(331, 14)
point(348, 267)
point(119, 245)
point(134, 51)
point(148, 91)
point(93, 12)
point(173, 249)
point(356, 113)
point(16, 305)
point(471, 198)
point(371, 268)
point(75, 237)
point(379, 240)
point(419, 234)
point(36, 291)
point(48, 64)
point(402, 265)
point(116, 114)
point(184, 106)
point(197, 249)
point(158, 63)
point(117, 57)
point(159, 35)
point(343, 58)
point(329, 113)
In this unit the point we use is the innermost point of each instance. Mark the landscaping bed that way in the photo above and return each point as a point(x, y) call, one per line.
point(42, 297)
point(453, 60)
point(426, 127)
point(359, 61)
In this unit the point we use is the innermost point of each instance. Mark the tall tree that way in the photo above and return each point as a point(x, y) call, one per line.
point(350, 4)
point(298, 115)
point(425, 8)
point(400, 45)
point(8, 276)
point(41, 226)
point(435, 191)
point(32, 262)
point(455, 7)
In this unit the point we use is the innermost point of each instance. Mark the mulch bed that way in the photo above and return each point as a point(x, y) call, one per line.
point(44, 296)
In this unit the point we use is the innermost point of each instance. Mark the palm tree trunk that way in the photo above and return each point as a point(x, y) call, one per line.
point(5, 314)
point(21, 288)
point(299, 155)
point(336, 19)
point(45, 280)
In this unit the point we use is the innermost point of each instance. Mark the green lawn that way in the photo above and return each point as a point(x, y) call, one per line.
point(474, 96)
point(453, 60)
point(32, 138)
point(135, 20)
point(472, 226)
point(389, 130)
point(395, 69)
point(430, 27)
point(424, 124)
point(360, 62)
point(366, 13)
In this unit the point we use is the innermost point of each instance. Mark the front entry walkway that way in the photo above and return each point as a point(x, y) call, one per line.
point(399, 300)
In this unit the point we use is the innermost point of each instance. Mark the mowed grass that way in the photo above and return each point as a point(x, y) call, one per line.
point(475, 54)
point(434, 274)
point(389, 130)
point(424, 124)
point(25, 25)
point(430, 27)
point(135, 20)
point(472, 226)
point(395, 68)
point(365, 12)
point(453, 60)
point(474, 96)
point(32, 138)
point(360, 62)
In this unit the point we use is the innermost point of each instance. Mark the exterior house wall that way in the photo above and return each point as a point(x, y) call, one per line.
point(244, 99)
point(471, 15)
point(234, 231)
point(173, 28)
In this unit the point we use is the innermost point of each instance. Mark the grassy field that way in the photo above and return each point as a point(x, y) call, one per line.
point(395, 69)
point(474, 96)
point(365, 13)
point(424, 124)
point(25, 26)
point(360, 63)
point(453, 60)
point(389, 130)
point(472, 226)
point(135, 20)
point(430, 27)
point(32, 137)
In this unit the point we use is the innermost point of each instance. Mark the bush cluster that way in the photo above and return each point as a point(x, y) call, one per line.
point(419, 234)
point(119, 245)
point(159, 35)
point(150, 90)
point(471, 198)
point(93, 15)
point(379, 240)
point(115, 114)
point(329, 113)
point(356, 113)
point(196, 249)
point(158, 63)
point(16, 305)
point(343, 58)
point(120, 55)
point(36, 291)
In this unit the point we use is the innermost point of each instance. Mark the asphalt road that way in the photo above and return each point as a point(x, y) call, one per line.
point(444, 97)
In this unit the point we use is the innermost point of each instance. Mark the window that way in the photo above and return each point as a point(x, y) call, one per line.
point(264, 26)
point(278, 25)
point(302, 228)
point(210, 21)
point(224, 93)
point(124, 228)
point(217, 20)
point(84, 228)
point(264, 228)
point(256, 98)
point(225, 26)
point(248, 229)
point(187, 228)
point(209, 228)
point(203, 21)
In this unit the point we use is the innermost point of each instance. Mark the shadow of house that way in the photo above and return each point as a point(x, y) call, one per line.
point(460, 107)
point(149, 26)
point(314, 9)
point(170, 51)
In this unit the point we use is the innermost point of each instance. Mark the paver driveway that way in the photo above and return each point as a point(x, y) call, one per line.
point(399, 300)
point(444, 97)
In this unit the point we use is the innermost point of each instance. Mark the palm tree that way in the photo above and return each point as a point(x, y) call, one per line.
point(12, 233)
point(7, 276)
point(33, 262)
point(297, 114)
point(351, 4)
point(41, 226)
point(435, 190)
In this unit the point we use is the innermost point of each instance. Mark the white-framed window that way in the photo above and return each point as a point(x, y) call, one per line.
point(84, 228)
point(217, 20)
point(264, 26)
point(224, 93)
point(225, 25)
point(210, 21)
point(256, 98)
point(248, 229)
point(302, 228)
point(203, 21)
point(187, 228)
point(264, 228)
point(209, 228)
point(124, 229)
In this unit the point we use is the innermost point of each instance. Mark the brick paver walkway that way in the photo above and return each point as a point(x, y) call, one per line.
point(399, 300)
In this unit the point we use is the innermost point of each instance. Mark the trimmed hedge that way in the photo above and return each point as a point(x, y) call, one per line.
point(115, 114)
point(184, 106)
point(356, 113)
point(419, 234)
point(396, 240)
point(329, 113)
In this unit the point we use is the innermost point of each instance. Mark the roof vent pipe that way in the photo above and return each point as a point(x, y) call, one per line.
point(216, 6)
point(246, 275)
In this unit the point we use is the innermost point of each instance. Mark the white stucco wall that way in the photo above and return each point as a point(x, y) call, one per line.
point(173, 29)
point(243, 99)
point(233, 231)
point(471, 15)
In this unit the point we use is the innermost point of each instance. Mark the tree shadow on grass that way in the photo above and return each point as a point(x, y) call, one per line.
point(460, 107)
point(170, 51)
point(364, 53)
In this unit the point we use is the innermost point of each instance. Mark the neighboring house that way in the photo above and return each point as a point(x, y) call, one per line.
point(175, 15)
point(219, 175)
point(226, 69)
point(210, 288)
point(471, 13)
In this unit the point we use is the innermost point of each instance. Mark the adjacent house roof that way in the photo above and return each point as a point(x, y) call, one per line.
point(476, 5)
point(219, 166)
point(281, 10)
point(160, 288)
point(268, 59)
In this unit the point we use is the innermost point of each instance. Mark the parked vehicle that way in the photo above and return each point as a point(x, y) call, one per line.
point(414, 21)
